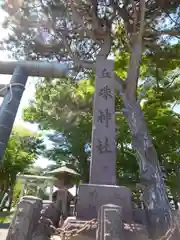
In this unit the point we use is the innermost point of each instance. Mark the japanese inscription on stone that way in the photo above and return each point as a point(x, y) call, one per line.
point(103, 135)
point(103, 147)
point(105, 92)
point(104, 117)
point(112, 222)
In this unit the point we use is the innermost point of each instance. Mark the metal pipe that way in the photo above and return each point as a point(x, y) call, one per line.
point(35, 68)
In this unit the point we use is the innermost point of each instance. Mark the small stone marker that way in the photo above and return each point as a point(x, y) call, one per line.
point(110, 225)
point(25, 219)
point(103, 158)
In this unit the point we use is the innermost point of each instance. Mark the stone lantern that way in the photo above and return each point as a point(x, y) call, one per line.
point(66, 178)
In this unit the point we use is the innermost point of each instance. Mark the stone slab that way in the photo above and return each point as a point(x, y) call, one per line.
point(110, 225)
point(103, 154)
point(25, 218)
point(92, 196)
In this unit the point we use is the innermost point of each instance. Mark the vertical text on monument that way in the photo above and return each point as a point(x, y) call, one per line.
point(103, 156)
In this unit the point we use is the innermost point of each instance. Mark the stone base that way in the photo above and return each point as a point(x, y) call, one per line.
point(92, 196)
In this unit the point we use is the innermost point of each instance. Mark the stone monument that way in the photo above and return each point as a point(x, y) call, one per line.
point(103, 156)
point(102, 187)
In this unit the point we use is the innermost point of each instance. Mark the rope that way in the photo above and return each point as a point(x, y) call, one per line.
point(9, 87)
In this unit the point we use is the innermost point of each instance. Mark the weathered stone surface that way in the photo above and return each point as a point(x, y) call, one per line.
point(91, 197)
point(62, 197)
point(139, 216)
point(134, 231)
point(43, 230)
point(169, 229)
point(110, 225)
point(103, 159)
point(50, 216)
point(25, 219)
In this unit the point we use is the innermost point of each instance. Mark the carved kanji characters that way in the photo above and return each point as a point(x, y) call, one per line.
point(103, 146)
point(105, 92)
point(104, 117)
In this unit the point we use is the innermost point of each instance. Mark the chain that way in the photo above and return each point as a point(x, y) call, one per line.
point(66, 234)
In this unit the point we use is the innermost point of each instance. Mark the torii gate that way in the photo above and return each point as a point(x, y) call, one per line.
point(102, 188)
point(12, 92)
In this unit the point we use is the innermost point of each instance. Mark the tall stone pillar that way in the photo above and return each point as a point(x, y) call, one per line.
point(50, 191)
point(23, 188)
point(102, 188)
point(103, 158)
point(9, 107)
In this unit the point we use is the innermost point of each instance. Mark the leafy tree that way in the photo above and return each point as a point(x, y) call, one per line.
point(16, 193)
point(19, 155)
point(89, 25)
point(66, 148)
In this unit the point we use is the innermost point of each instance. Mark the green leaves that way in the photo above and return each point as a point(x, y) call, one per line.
point(63, 97)
point(21, 152)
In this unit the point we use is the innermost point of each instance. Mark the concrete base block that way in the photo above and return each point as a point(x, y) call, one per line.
point(92, 196)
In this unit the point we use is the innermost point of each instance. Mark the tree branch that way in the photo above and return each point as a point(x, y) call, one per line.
point(119, 85)
point(172, 32)
point(106, 47)
point(134, 66)
point(79, 21)
point(123, 13)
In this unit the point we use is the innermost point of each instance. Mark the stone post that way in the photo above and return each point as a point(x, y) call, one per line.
point(25, 218)
point(103, 158)
point(10, 106)
point(50, 216)
point(50, 191)
point(23, 188)
point(110, 225)
point(102, 187)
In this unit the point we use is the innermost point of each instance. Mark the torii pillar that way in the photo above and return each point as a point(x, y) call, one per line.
point(9, 107)
point(102, 188)
point(13, 92)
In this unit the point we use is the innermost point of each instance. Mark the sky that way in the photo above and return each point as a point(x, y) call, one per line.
point(27, 95)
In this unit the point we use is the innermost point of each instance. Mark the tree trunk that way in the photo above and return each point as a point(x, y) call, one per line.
point(2, 193)
point(154, 196)
point(177, 170)
point(175, 203)
point(4, 200)
point(10, 198)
